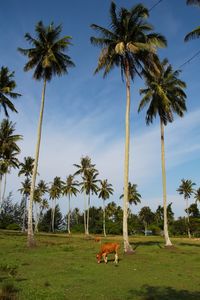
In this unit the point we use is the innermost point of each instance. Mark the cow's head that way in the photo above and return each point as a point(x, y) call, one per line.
point(98, 258)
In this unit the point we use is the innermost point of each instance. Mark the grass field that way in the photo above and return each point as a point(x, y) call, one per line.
point(63, 268)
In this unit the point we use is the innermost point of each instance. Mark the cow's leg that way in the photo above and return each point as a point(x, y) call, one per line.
point(116, 258)
point(105, 258)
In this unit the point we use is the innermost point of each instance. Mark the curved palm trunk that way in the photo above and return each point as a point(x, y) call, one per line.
point(104, 218)
point(30, 240)
point(127, 246)
point(188, 219)
point(69, 213)
point(88, 215)
point(166, 234)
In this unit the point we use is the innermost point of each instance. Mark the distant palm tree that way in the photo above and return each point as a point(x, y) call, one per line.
point(70, 189)
point(47, 58)
point(186, 189)
point(105, 191)
point(8, 151)
point(83, 167)
point(7, 85)
point(40, 191)
point(55, 192)
point(25, 191)
point(197, 195)
point(195, 33)
point(89, 185)
point(133, 196)
point(128, 44)
point(146, 216)
point(164, 95)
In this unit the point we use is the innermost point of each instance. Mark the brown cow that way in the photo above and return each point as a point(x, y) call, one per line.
point(106, 249)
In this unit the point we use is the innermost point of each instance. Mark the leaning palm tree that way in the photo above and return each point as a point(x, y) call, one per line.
point(55, 193)
point(195, 33)
point(105, 191)
point(47, 58)
point(164, 95)
point(89, 185)
point(129, 44)
point(70, 189)
point(7, 85)
point(186, 189)
point(82, 168)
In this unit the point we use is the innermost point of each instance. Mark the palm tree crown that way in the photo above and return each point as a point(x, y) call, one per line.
point(186, 188)
point(195, 33)
point(70, 186)
point(26, 167)
point(7, 85)
point(133, 196)
point(47, 57)
point(197, 195)
point(105, 189)
point(128, 41)
point(164, 94)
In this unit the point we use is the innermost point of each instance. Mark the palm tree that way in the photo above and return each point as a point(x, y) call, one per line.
point(128, 44)
point(8, 151)
point(47, 58)
point(186, 189)
point(70, 189)
point(89, 185)
point(83, 167)
point(26, 167)
point(55, 192)
point(164, 94)
point(195, 33)
point(25, 191)
point(146, 216)
point(105, 191)
point(7, 85)
point(133, 196)
point(40, 191)
point(197, 195)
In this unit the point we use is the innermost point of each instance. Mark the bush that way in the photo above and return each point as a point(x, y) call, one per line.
point(13, 226)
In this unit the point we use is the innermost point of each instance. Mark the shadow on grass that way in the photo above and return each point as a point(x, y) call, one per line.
point(165, 293)
point(188, 244)
point(146, 243)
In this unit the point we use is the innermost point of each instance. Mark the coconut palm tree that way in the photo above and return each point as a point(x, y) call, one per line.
point(70, 189)
point(105, 191)
point(186, 189)
point(8, 151)
point(197, 195)
point(83, 167)
point(26, 167)
point(133, 196)
point(195, 33)
point(146, 216)
point(89, 185)
point(25, 191)
point(47, 58)
point(7, 85)
point(129, 44)
point(55, 193)
point(164, 95)
point(40, 191)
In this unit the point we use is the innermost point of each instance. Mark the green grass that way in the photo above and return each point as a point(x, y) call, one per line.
point(63, 267)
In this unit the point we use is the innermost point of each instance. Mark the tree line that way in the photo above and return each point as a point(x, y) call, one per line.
point(130, 44)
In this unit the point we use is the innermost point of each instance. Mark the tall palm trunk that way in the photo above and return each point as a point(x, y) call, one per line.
point(4, 189)
point(1, 193)
point(104, 218)
point(31, 241)
point(188, 219)
point(69, 213)
point(166, 234)
point(88, 216)
point(127, 246)
point(24, 214)
point(53, 215)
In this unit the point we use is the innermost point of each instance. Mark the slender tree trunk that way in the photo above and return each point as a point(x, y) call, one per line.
point(69, 212)
point(145, 228)
point(127, 246)
point(88, 215)
point(36, 218)
point(31, 240)
point(1, 202)
point(24, 214)
point(4, 189)
point(166, 233)
point(104, 218)
point(53, 216)
point(84, 215)
point(188, 219)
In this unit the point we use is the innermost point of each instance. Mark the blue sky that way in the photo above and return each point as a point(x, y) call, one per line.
point(84, 114)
